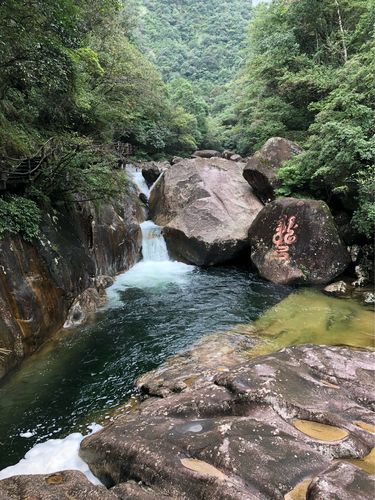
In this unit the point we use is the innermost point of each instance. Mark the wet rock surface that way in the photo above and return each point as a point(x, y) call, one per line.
point(233, 431)
point(342, 481)
point(40, 282)
point(260, 171)
point(295, 241)
point(64, 485)
point(151, 170)
point(207, 209)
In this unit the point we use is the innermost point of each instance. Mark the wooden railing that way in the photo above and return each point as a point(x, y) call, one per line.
point(18, 171)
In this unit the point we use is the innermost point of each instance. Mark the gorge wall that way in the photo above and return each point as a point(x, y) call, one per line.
point(40, 281)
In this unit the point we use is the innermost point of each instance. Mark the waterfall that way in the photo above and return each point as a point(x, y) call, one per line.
point(136, 175)
point(154, 248)
point(155, 269)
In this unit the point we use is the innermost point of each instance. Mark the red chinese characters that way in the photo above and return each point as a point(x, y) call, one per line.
point(284, 237)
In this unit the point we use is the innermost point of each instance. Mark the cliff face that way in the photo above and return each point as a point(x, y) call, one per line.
point(39, 282)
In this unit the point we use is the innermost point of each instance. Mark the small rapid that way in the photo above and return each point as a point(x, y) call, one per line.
point(155, 269)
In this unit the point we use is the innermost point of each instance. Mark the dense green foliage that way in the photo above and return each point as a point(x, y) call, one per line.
point(197, 45)
point(19, 215)
point(309, 76)
point(87, 75)
point(69, 71)
point(197, 40)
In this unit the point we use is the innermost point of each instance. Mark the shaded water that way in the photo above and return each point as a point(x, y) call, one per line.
point(152, 314)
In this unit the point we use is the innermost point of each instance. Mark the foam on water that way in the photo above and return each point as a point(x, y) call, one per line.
point(52, 456)
point(155, 270)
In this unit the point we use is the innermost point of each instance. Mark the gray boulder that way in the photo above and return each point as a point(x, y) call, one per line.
point(295, 241)
point(206, 153)
point(207, 209)
point(151, 170)
point(260, 171)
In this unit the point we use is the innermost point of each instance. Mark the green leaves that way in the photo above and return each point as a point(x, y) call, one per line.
point(19, 215)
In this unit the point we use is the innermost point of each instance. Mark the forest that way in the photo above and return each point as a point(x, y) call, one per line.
point(79, 81)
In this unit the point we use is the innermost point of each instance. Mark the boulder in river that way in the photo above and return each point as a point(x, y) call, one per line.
point(207, 209)
point(206, 153)
point(151, 170)
point(295, 241)
point(260, 171)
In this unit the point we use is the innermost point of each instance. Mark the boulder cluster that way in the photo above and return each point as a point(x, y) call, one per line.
point(216, 208)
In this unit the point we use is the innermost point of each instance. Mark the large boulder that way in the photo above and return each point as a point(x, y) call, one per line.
point(206, 207)
point(260, 171)
point(151, 170)
point(295, 241)
point(206, 153)
point(252, 431)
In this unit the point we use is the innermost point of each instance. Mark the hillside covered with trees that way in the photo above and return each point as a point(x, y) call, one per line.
point(309, 76)
point(167, 77)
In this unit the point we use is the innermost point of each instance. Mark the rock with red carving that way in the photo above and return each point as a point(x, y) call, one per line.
point(295, 241)
point(260, 171)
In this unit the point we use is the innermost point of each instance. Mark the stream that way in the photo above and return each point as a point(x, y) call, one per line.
point(155, 310)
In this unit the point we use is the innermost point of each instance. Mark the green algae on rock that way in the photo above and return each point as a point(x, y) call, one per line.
point(310, 317)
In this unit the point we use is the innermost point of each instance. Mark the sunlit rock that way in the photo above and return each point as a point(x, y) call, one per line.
point(207, 209)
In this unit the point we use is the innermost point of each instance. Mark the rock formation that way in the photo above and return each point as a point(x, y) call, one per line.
point(42, 281)
point(206, 153)
point(151, 170)
point(260, 171)
point(296, 241)
point(250, 431)
point(207, 209)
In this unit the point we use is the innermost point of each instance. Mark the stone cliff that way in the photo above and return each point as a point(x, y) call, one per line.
point(40, 282)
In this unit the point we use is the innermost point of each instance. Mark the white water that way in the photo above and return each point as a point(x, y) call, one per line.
point(156, 269)
point(136, 174)
point(53, 455)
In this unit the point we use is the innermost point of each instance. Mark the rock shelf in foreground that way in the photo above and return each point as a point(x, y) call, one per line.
point(235, 434)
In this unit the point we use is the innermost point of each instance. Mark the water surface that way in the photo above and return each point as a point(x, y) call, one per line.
point(152, 314)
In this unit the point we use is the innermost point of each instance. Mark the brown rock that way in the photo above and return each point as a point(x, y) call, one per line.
point(260, 171)
point(342, 482)
point(206, 153)
point(296, 241)
point(67, 485)
point(207, 208)
point(40, 281)
point(235, 437)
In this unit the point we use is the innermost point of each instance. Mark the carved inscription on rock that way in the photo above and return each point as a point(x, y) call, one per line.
point(284, 237)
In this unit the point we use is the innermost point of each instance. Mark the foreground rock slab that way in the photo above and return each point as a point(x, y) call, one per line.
point(295, 241)
point(237, 434)
point(261, 169)
point(207, 209)
point(64, 485)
